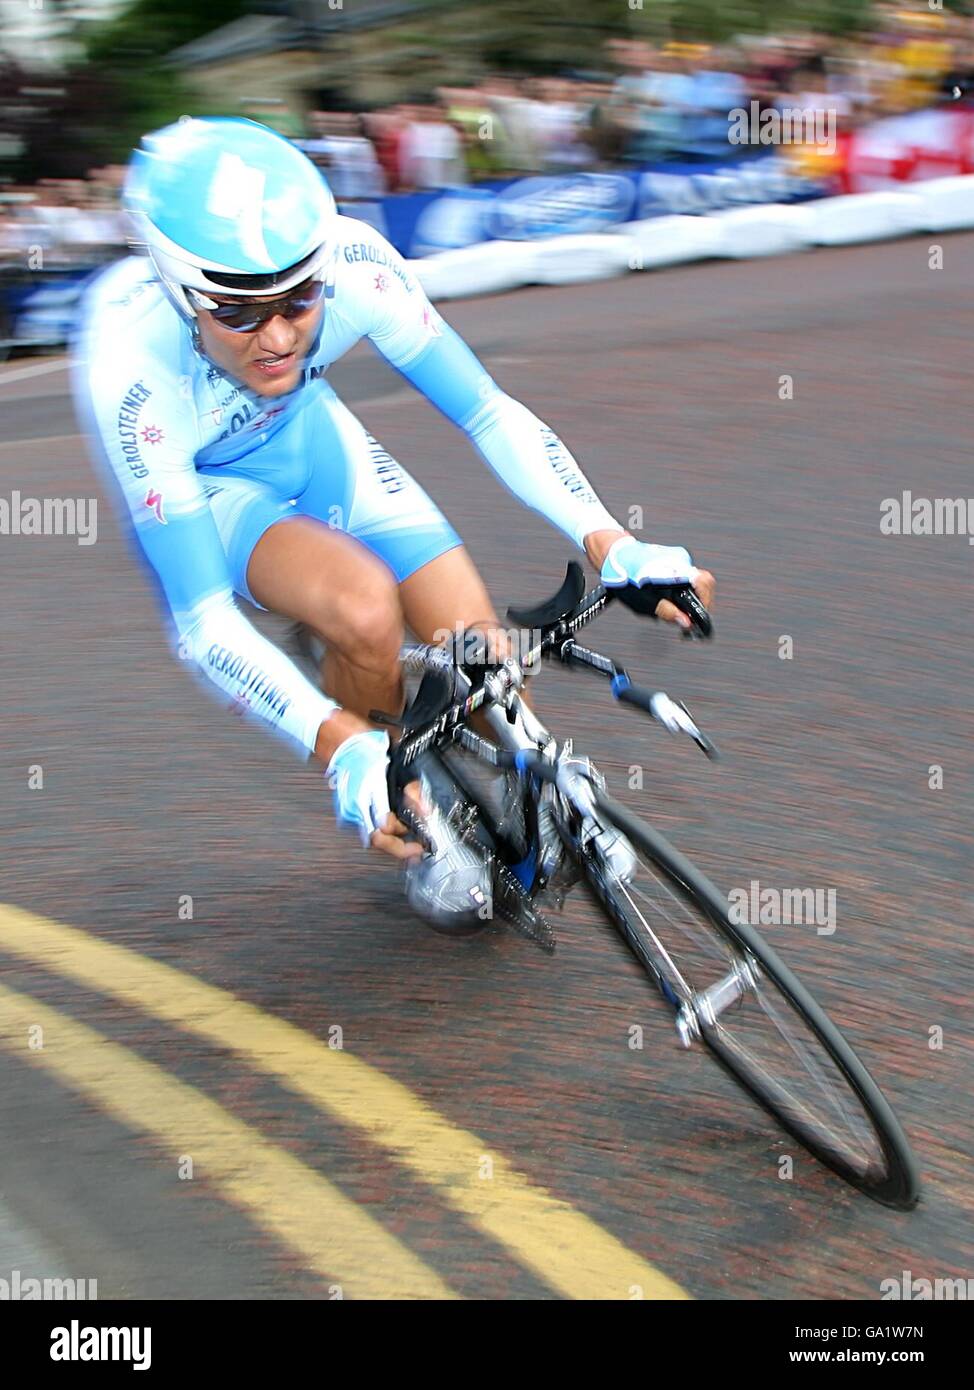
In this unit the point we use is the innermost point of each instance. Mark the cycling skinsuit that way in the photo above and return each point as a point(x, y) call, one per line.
point(207, 466)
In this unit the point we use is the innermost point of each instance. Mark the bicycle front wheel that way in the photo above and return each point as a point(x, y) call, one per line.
point(730, 992)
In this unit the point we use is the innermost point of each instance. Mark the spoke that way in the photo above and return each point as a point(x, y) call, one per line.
point(759, 1033)
point(662, 952)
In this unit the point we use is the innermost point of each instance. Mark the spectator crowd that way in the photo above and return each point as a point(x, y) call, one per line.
point(646, 104)
point(643, 104)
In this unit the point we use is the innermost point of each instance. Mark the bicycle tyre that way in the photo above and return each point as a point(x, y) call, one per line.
point(897, 1185)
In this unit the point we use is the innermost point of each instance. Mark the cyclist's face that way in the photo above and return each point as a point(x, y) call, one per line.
point(270, 358)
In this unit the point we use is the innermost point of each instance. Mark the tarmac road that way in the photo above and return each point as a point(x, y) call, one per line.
point(289, 1088)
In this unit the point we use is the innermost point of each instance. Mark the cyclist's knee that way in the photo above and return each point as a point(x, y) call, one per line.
point(376, 637)
point(369, 630)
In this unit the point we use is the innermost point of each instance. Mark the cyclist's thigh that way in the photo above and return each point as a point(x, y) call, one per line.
point(330, 581)
point(294, 565)
point(445, 597)
point(357, 486)
point(243, 510)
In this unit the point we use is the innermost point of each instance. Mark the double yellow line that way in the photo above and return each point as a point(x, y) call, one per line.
point(561, 1246)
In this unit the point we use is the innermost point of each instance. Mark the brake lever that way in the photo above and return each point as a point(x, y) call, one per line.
point(673, 715)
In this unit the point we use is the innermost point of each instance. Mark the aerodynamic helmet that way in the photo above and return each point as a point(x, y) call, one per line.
point(228, 206)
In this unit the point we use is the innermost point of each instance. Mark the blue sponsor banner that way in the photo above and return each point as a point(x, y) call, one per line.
point(526, 209)
point(39, 308)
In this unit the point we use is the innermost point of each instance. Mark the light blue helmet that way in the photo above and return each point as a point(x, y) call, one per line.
point(228, 206)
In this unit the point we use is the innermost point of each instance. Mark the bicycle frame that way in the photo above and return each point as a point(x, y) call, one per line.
point(524, 744)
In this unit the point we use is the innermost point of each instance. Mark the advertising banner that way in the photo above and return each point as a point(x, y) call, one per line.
point(529, 209)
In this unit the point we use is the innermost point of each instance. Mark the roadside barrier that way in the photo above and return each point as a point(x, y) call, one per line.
point(774, 229)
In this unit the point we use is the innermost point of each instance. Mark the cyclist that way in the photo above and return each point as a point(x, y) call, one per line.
point(201, 376)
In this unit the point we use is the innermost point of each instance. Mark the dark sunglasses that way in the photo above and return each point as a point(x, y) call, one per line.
point(247, 318)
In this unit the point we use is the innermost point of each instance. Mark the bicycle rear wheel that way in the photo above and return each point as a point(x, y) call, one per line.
point(730, 991)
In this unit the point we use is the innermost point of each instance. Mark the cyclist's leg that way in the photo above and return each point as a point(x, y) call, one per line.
point(299, 567)
point(440, 588)
point(318, 576)
point(446, 596)
point(383, 508)
point(372, 498)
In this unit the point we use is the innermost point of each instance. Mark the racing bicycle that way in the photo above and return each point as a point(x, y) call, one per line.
point(726, 989)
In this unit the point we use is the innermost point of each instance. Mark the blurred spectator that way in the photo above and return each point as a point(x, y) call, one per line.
point(716, 89)
point(345, 156)
point(471, 117)
point(558, 117)
point(515, 122)
point(386, 130)
point(431, 152)
point(958, 82)
point(600, 131)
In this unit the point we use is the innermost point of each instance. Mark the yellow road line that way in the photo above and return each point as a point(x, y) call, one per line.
point(333, 1236)
point(566, 1249)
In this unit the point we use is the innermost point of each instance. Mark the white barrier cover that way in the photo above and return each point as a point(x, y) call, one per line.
point(945, 204)
point(571, 260)
point(775, 229)
point(741, 233)
point(861, 217)
point(489, 267)
point(660, 241)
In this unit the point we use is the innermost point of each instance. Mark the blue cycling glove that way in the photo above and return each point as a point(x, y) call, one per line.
point(357, 775)
point(634, 562)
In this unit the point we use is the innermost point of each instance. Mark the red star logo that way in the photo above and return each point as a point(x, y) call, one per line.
point(152, 434)
point(381, 283)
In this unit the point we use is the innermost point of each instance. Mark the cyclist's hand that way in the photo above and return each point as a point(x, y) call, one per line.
point(357, 774)
point(704, 585)
point(629, 561)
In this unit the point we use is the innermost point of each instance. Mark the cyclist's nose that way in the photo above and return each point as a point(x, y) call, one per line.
point(278, 336)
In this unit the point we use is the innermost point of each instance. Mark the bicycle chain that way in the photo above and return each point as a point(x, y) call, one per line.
point(513, 904)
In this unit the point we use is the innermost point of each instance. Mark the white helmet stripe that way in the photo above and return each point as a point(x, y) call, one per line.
point(237, 194)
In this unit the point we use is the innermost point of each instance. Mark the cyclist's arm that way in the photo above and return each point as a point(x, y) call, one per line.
point(521, 449)
point(175, 528)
